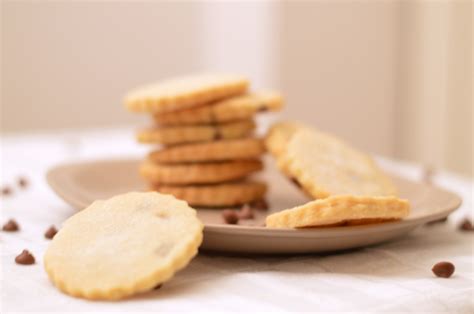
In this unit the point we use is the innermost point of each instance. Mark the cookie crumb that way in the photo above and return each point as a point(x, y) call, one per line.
point(25, 258)
point(443, 269)
point(230, 216)
point(51, 232)
point(11, 226)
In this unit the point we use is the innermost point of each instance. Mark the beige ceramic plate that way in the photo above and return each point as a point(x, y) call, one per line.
point(81, 183)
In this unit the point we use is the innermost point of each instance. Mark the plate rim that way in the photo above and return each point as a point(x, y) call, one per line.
point(326, 232)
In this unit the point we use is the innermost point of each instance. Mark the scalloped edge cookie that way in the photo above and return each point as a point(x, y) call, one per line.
point(324, 165)
point(125, 245)
point(341, 210)
point(199, 173)
point(231, 109)
point(184, 92)
point(223, 150)
point(218, 195)
point(197, 133)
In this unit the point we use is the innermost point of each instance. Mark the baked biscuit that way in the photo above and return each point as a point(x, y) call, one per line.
point(230, 109)
point(341, 210)
point(127, 244)
point(198, 173)
point(185, 92)
point(196, 133)
point(237, 149)
point(218, 195)
point(323, 165)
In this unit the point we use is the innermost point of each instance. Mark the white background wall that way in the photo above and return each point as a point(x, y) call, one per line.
point(389, 76)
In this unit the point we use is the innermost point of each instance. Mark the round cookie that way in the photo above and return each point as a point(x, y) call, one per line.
point(237, 149)
point(341, 210)
point(127, 244)
point(218, 195)
point(198, 133)
point(184, 92)
point(231, 109)
point(323, 165)
point(199, 173)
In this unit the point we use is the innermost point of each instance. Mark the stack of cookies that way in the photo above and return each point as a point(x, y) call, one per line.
point(203, 134)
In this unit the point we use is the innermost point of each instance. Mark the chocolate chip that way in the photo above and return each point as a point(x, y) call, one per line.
point(260, 204)
point(466, 225)
point(262, 109)
point(158, 286)
point(25, 258)
point(230, 216)
point(6, 190)
point(11, 226)
point(51, 232)
point(245, 212)
point(22, 182)
point(439, 221)
point(217, 135)
point(443, 269)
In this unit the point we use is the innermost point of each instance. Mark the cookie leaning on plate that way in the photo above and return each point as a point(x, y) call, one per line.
point(196, 133)
point(198, 173)
point(218, 195)
point(236, 149)
point(231, 109)
point(323, 165)
point(185, 92)
point(122, 246)
point(341, 210)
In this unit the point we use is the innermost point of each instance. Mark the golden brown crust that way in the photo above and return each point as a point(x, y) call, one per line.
point(219, 195)
point(184, 92)
point(198, 133)
point(341, 209)
point(199, 173)
point(235, 149)
point(229, 109)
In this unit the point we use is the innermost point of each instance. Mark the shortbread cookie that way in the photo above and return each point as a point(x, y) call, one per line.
point(279, 135)
point(219, 195)
point(340, 210)
point(185, 92)
point(238, 149)
point(198, 173)
point(198, 133)
point(122, 246)
point(323, 165)
point(231, 109)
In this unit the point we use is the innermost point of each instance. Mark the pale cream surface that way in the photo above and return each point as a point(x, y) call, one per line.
point(127, 244)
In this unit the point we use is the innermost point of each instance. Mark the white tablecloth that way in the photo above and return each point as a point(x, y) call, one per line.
point(392, 277)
